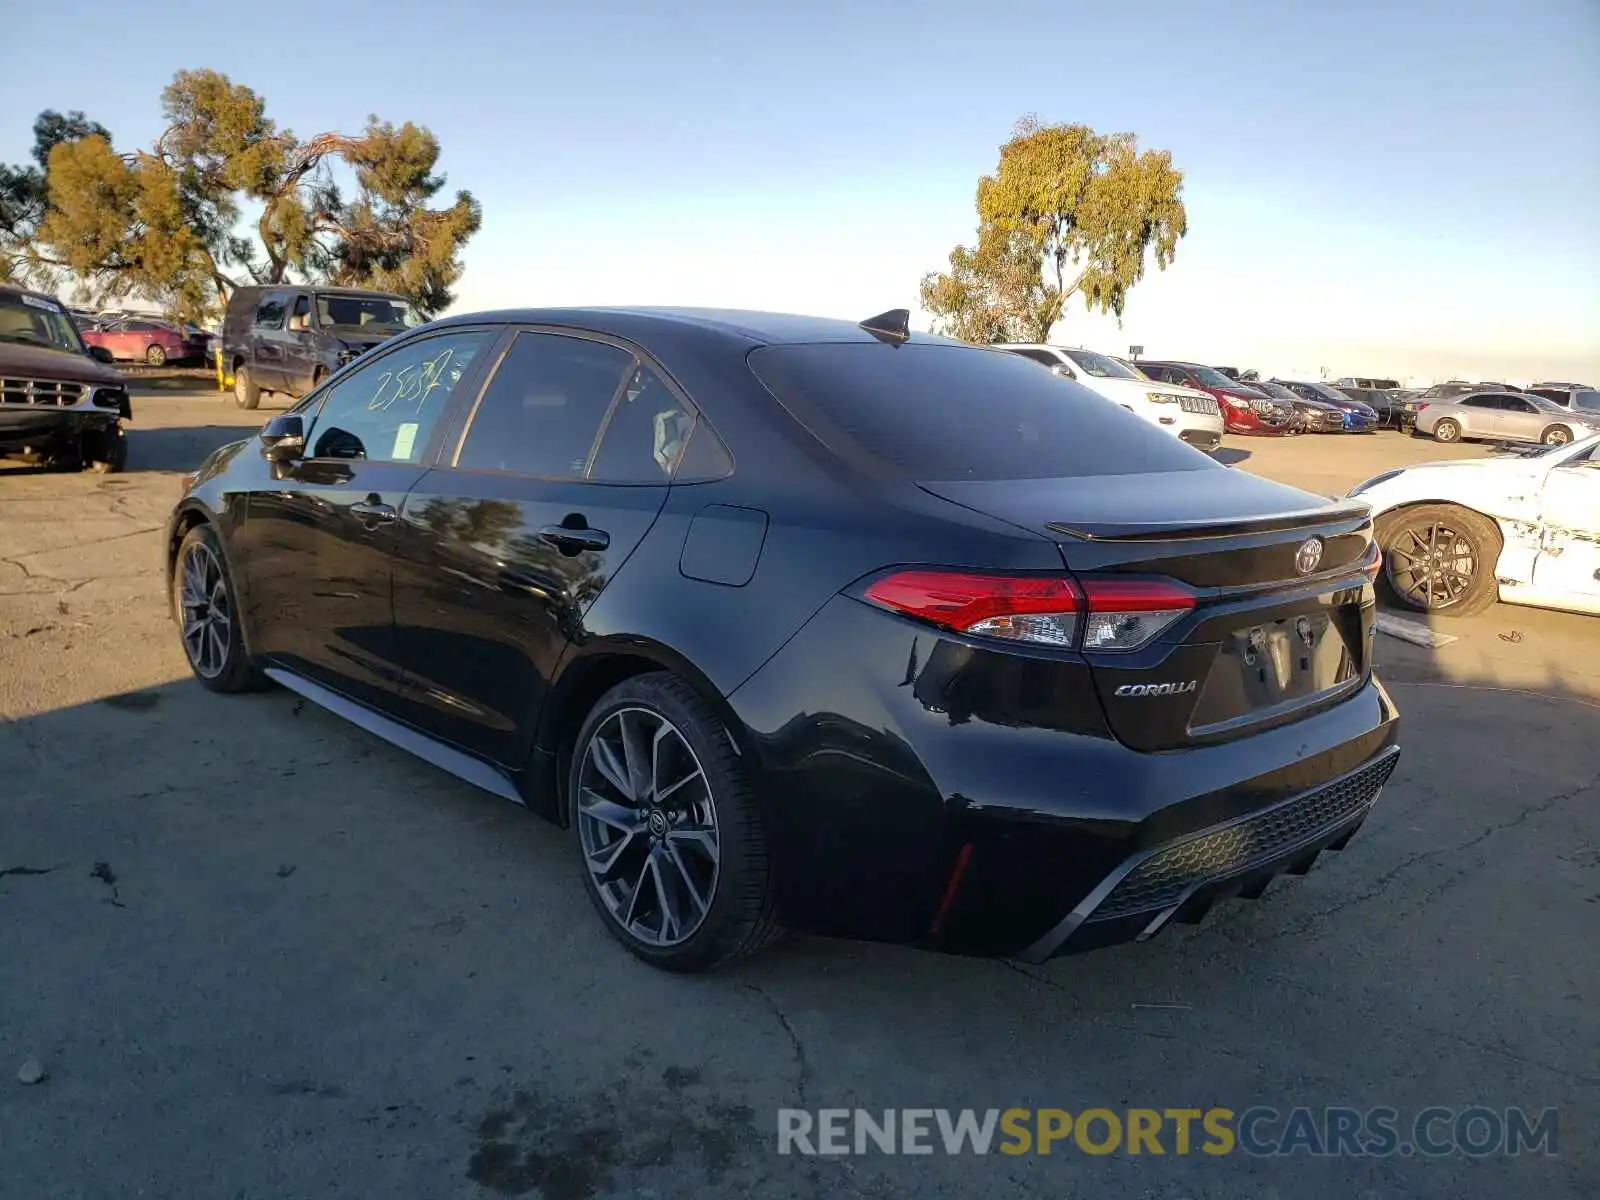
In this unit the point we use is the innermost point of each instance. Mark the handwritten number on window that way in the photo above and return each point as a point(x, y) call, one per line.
point(413, 385)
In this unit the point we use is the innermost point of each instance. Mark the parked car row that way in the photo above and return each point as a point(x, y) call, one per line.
point(1199, 403)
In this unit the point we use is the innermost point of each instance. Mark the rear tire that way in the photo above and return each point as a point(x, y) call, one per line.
point(245, 392)
point(1439, 559)
point(205, 607)
point(156, 356)
point(684, 836)
point(1447, 431)
point(1556, 435)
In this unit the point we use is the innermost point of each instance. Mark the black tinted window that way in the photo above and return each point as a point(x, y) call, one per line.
point(1481, 402)
point(542, 410)
point(951, 412)
point(1588, 401)
point(1038, 356)
point(647, 433)
point(705, 457)
point(387, 408)
point(270, 314)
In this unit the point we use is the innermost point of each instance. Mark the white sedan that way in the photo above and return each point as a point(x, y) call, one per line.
point(1525, 529)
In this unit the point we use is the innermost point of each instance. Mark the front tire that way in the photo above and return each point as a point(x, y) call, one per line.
point(245, 392)
point(105, 452)
point(156, 356)
point(1556, 435)
point(1447, 431)
point(673, 850)
point(203, 601)
point(1440, 559)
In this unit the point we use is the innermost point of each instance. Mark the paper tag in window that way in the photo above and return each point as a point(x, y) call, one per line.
point(405, 440)
point(35, 302)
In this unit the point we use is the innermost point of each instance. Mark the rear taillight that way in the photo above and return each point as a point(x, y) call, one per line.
point(1127, 614)
point(1038, 609)
point(1042, 610)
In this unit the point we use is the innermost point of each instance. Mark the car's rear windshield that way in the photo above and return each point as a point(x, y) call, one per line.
point(939, 412)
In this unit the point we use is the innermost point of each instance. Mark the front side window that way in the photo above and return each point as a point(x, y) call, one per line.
point(386, 410)
point(1588, 401)
point(542, 412)
point(270, 313)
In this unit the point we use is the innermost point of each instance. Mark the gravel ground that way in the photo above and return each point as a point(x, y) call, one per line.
point(257, 953)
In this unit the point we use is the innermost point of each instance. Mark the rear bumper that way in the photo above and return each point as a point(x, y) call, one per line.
point(1181, 879)
point(936, 792)
point(1247, 421)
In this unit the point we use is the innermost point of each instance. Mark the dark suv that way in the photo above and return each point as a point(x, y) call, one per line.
point(286, 339)
point(60, 404)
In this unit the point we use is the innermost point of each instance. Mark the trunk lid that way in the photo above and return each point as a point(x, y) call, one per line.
point(1272, 635)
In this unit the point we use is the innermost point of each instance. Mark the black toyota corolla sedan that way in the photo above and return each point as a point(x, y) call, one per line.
point(798, 623)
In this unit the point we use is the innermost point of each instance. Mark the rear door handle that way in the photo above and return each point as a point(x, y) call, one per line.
point(571, 541)
point(371, 513)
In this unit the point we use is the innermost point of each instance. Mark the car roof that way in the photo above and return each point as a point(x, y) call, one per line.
point(13, 289)
point(755, 328)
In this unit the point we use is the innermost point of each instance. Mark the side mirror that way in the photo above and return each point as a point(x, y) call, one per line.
point(283, 439)
point(1062, 371)
point(101, 354)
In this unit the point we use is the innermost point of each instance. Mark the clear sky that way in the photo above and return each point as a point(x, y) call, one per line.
point(1403, 187)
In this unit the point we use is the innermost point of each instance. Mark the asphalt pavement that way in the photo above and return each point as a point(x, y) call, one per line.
point(255, 952)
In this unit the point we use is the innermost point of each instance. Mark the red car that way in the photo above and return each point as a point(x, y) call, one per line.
point(1244, 409)
point(148, 340)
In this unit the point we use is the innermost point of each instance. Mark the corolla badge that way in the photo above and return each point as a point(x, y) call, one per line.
point(1308, 556)
point(1157, 689)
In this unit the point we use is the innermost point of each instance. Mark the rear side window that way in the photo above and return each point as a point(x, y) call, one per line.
point(542, 412)
point(270, 313)
point(936, 412)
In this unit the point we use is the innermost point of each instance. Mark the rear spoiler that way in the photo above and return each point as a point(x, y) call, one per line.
point(1353, 513)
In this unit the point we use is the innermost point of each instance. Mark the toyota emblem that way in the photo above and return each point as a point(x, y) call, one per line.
point(1308, 556)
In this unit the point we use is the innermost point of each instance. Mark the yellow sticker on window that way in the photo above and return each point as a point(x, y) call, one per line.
point(405, 440)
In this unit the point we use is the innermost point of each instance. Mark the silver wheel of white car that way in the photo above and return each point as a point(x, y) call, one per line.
point(1556, 435)
point(1447, 431)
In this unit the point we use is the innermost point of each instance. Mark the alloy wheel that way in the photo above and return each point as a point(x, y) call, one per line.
point(1557, 437)
point(207, 612)
point(1432, 564)
point(647, 823)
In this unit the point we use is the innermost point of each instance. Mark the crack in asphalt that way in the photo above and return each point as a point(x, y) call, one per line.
point(1383, 881)
point(1300, 986)
point(802, 1062)
point(25, 871)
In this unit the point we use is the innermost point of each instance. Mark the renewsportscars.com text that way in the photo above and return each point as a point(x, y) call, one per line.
point(1475, 1131)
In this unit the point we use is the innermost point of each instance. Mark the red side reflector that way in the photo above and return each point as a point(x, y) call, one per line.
point(960, 600)
point(951, 887)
